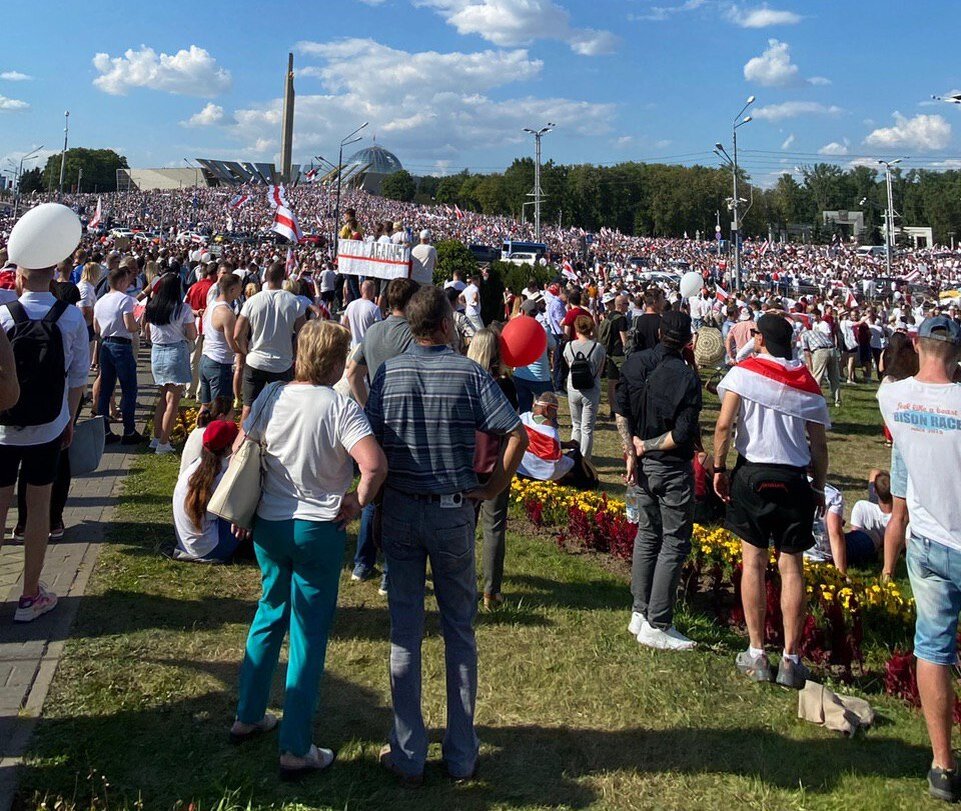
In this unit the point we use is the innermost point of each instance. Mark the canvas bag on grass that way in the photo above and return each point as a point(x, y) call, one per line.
point(238, 494)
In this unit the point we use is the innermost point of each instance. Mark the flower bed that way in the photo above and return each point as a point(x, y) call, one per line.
point(842, 611)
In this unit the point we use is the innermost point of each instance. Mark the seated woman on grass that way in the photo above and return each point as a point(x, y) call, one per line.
point(203, 537)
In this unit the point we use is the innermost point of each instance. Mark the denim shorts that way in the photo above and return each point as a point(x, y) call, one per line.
point(216, 380)
point(899, 474)
point(935, 573)
point(170, 364)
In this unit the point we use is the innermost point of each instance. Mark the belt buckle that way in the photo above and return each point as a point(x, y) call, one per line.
point(452, 501)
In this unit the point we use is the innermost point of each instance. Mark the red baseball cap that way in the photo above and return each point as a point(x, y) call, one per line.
point(220, 435)
point(554, 289)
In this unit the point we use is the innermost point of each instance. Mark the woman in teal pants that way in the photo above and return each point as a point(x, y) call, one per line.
point(311, 436)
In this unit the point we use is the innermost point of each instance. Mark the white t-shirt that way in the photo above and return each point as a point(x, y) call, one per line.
point(192, 448)
point(172, 333)
point(272, 314)
point(88, 295)
point(766, 436)
point(109, 312)
point(868, 516)
point(358, 316)
point(424, 258)
point(196, 542)
point(328, 281)
point(833, 504)
point(472, 307)
point(925, 420)
point(309, 433)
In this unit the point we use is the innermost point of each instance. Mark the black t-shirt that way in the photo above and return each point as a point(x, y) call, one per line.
point(614, 346)
point(646, 329)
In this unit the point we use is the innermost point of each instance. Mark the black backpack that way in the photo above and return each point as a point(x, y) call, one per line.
point(41, 366)
point(582, 377)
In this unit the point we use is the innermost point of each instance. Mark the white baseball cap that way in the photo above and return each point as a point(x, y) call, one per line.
point(45, 235)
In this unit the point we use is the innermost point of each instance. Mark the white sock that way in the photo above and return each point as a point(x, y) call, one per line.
point(755, 652)
point(792, 657)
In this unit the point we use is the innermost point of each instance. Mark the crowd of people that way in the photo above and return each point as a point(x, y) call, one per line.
point(393, 403)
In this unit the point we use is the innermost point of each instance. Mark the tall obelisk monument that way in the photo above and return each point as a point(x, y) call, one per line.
point(287, 136)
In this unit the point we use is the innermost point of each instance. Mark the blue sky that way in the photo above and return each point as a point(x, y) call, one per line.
point(448, 84)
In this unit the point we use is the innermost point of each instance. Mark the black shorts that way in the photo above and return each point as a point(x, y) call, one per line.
point(40, 463)
point(255, 380)
point(327, 296)
point(612, 369)
point(771, 504)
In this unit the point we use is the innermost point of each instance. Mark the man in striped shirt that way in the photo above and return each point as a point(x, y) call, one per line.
point(425, 407)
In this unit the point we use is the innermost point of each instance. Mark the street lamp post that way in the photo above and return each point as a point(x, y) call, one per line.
point(889, 215)
point(537, 194)
point(16, 200)
point(63, 157)
point(347, 139)
point(735, 223)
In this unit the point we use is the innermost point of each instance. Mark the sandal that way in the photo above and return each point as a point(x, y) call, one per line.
point(262, 727)
point(315, 761)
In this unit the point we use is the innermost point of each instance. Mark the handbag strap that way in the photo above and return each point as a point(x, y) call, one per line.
point(268, 397)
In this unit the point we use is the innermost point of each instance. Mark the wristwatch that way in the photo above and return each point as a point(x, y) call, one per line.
point(720, 468)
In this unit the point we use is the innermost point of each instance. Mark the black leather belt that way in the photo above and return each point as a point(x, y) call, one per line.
point(116, 339)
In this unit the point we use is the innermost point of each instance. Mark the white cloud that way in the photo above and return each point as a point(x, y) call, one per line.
point(834, 148)
point(663, 143)
point(519, 22)
point(774, 68)
point(795, 109)
point(920, 132)
point(788, 142)
point(211, 114)
point(14, 76)
point(624, 142)
point(189, 72)
point(660, 13)
point(435, 107)
point(761, 17)
point(13, 105)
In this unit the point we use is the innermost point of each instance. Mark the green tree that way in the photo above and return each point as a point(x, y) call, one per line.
point(99, 169)
point(31, 181)
point(452, 254)
point(399, 186)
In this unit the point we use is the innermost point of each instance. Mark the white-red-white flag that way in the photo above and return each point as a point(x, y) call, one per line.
point(277, 196)
point(721, 294)
point(285, 224)
point(97, 216)
point(237, 201)
point(783, 385)
point(568, 270)
point(291, 263)
point(913, 276)
point(851, 300)
point(458, 213)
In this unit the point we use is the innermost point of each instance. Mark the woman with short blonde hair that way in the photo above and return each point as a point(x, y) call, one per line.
point(311, 436)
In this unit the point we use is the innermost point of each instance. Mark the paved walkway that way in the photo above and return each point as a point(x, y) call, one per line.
point(30, 652)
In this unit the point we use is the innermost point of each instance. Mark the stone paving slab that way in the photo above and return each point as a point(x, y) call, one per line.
point(30, 652)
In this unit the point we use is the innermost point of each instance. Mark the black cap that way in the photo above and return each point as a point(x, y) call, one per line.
point(676, 327)
point(778, 335)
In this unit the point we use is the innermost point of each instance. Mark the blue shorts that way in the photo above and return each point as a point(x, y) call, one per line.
point(935, 573)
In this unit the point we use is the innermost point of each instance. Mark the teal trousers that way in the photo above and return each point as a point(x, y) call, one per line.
point(300, 563)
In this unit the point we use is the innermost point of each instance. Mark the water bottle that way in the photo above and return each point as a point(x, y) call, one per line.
point(632, 503)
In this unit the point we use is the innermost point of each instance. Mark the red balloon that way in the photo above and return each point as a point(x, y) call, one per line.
point(523, 340)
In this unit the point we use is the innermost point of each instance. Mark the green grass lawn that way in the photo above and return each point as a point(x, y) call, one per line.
point(572, 713)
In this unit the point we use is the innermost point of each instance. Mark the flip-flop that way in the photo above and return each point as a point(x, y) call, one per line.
point(268, 724)
point(292, 774)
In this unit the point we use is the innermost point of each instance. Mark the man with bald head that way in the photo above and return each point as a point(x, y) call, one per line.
point(361, 313)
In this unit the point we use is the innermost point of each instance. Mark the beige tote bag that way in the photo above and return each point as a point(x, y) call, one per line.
point(238, 494)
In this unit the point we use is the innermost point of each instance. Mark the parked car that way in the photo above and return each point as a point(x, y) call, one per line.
point(522, 258)
point(484, 253)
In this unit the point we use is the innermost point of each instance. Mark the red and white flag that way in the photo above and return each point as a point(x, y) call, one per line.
point(568, 270)
point(782, 385)
point(721, 294)
point(458, 213)
point(310, 174)
point(765, 247)
point(913, 276)
point(291, 263)
point(97, 216)
point(285, 224)
point(851, 302)
point(277, 196)
point(237, 201)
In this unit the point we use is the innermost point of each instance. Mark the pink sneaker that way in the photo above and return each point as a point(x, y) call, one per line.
point(29, 608)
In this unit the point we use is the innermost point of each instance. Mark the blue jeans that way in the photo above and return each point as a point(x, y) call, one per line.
point(216, 380)
point(528, 391)
point(935, 573)
point(300, 570)
point(557, 372)
point(413, 533)
point(118, 363)
point(366, 555)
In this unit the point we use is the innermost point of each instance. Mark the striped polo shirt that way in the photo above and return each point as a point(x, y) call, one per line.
point(424, 408)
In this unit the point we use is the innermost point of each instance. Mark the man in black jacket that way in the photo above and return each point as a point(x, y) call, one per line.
point(658, 406)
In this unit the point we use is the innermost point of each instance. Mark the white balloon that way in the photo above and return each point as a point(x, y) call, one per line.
point(691, 284)
point(44, 236)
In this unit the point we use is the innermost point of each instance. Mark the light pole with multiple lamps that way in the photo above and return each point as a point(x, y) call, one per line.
point(63, 157)
point(889, 215)
point(537, 194)
point(346, 140)
point(16, 199)
point(735, 202)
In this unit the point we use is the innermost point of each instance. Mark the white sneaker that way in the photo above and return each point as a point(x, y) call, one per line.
point(636, 623)
point(671, 639)
point(167, 448)
point(154, 443)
